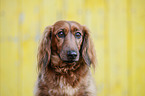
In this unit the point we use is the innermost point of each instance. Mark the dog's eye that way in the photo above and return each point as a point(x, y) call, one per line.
point(61, 34)
point(78, 35)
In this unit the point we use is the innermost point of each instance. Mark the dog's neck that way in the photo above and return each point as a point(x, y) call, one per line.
point(72, 74)
point(66, 69)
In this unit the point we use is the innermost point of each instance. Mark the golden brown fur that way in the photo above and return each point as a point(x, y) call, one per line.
point(62, 73)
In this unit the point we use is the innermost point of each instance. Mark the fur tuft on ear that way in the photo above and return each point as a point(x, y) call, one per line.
point(88, 50)
point(44, 49)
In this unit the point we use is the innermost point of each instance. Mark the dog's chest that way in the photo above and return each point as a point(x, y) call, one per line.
point(64, 89)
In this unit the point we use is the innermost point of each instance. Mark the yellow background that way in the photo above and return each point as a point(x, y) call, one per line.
point(118, 32)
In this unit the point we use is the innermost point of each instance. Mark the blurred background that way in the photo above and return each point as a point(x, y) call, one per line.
point(117, 29)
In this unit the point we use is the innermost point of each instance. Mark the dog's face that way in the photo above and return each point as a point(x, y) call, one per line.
point(65, 42)
point(67, 39)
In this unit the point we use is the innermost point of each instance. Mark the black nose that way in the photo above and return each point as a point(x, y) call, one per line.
point(71, 54)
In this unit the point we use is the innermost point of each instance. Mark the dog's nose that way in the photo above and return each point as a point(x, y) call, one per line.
point(71, 54)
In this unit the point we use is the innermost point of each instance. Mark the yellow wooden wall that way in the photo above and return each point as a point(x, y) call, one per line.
point(118, 32)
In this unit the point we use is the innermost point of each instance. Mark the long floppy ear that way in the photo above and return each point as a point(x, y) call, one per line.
point(44, 49)
point(88, 51)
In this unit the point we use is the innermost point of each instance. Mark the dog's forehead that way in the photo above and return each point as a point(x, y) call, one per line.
point(59, 24)
point(68, 24)
point(75, 24)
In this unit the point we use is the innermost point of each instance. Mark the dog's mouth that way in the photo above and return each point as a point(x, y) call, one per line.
point(70, 61)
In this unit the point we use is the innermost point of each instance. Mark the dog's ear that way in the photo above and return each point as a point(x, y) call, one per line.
point(44, 49)
point(88, 51)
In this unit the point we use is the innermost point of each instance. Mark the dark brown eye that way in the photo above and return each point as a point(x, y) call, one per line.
point(78, 35)
point(61, 34)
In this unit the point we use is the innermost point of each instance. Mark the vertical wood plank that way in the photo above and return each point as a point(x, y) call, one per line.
point(61, 9)
point(29, 33)
point(97, 30)
point(48, 13)
point(8, 52)
point(107, 86)
point(74, 11)
point(129, 47)
point(117, 47)
point(138, 47)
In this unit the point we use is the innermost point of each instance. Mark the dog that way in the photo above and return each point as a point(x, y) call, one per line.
point(65, 55)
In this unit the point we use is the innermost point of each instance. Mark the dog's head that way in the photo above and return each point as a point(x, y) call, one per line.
point(67, 42)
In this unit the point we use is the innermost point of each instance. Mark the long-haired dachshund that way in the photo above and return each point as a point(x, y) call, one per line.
point(65, 54)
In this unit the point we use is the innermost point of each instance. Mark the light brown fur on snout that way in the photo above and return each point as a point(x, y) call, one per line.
point(61, 73)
